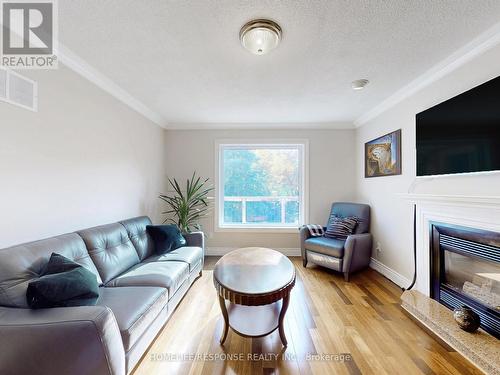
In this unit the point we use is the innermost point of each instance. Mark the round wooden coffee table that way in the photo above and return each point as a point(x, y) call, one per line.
point(253, 286)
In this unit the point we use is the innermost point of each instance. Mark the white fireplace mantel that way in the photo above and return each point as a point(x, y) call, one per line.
point(492, 202)
point(481, 212)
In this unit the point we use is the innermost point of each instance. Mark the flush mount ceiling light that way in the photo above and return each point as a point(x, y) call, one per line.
point(359, 84)
point(260, 36)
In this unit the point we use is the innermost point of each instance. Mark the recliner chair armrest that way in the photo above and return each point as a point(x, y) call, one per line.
point(304, 235)
point(357, 252)
point(65, 340)
point(195, 239)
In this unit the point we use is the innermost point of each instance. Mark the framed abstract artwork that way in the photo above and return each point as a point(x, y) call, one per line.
point(383, 155)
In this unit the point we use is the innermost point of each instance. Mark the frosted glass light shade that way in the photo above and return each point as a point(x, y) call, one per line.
point(260, 36)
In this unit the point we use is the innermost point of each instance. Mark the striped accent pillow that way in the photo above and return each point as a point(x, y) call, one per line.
point(341, 227)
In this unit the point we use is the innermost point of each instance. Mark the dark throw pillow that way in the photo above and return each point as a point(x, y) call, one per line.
point(166, 238)
point(64, 283)
point(341, 227)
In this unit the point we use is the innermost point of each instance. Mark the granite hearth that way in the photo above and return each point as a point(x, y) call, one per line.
point(480, 348)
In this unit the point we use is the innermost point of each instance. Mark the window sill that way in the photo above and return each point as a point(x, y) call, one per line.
point(247, 229)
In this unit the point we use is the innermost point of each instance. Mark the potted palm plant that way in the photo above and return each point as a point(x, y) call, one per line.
point(187, 207)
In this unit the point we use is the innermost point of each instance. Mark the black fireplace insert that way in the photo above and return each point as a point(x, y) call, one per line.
point(465, 270)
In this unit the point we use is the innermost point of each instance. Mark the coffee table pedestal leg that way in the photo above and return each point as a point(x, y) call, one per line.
point(284, 307)
point(222, 304)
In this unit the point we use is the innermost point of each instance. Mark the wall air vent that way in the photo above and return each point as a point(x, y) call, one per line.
point(18, 90)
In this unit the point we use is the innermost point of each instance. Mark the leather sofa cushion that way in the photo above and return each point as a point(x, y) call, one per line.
point(135, 308)
point(136, 230)
point(191, 255)
point(111, 249)
point(168, 275)
point(328, 246)
point(23, 263)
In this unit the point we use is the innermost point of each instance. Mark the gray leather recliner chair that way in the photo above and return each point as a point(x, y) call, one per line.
point(345, 256)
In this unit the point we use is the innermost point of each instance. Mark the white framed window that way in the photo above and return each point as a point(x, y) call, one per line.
point(261, 186)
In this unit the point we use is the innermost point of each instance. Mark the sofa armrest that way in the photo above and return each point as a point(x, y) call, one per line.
point(357, 252)
point(195, 239)
point(65, 340)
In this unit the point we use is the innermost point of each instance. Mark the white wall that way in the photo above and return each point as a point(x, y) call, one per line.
point(392, 224)
point(331, 177)
point(84, 159)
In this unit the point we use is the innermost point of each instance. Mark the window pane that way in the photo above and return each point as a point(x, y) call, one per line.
point(292, 212)
point(261, 184)
point(232, 212)
point(264, 212)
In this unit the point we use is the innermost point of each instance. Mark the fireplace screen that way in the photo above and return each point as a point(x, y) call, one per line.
point(465, 270)
point(477, 278)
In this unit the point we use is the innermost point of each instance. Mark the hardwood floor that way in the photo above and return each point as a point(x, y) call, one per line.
point(333, 327)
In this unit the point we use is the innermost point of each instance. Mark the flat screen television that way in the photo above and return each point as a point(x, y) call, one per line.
point(462, 134)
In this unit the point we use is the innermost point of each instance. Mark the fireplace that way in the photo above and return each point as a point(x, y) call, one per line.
point(465, 270)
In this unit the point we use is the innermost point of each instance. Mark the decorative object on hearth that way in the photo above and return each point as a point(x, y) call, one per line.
point(383, 155)
point(466, 318)
point(186, 207)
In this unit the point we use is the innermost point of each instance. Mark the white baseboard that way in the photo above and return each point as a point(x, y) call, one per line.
point(378, 266)
point(219, 251)
point(392, 275)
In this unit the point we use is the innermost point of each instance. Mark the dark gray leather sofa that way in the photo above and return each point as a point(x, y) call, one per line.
point(138, 292)
point(345, 256)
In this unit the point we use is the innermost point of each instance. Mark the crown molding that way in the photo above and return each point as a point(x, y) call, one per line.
point(260, 126)
point(80, 66)
point(477, 46)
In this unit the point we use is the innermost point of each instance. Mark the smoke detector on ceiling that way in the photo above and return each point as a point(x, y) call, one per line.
point(359, 84)
point(260, 36)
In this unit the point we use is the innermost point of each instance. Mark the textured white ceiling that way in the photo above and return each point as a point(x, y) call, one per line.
point(183, 58)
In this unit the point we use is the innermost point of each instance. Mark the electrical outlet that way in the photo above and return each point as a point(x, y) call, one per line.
point(378, 247)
